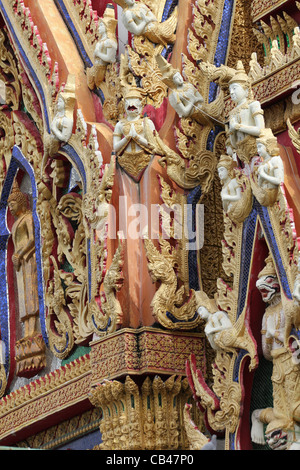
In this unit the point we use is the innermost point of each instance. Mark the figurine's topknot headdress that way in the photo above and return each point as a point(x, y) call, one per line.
point(67, 93)
point(68, 90)
point(17, 195)
point(110, 21)
point(227, 162)
point(268, 139)
point(167, 71)
point(240, 76)
point(269, 269)
point(133, 92)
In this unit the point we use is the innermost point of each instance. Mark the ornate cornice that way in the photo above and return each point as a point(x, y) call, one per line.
point(277, 83)
point(126, 352)
point(261, 8)
point(144, 351)
point(273, 86)
point(27, 408)
point(64, 432)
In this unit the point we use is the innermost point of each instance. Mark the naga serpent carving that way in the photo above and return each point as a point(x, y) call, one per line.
point(171, 306)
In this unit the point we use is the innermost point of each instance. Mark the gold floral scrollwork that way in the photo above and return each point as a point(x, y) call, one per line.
point(58, 321)
point(70, 208)
point(174, 304)
point(141, 59)
point(81, 226)
point(71, 254)
point(113, 104)
point(283, 231)
point(6, 144)
point(104, 310)
point(294, 135)
point(222, 402)
point(45, 206)
point(9, 73)
point(205, 18)
point(199, 170)
point(29, 144)
point(237, 335)
point(106, 313)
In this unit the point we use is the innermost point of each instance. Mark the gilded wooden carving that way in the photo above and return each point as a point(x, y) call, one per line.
point(172, 105)
point(151, 416)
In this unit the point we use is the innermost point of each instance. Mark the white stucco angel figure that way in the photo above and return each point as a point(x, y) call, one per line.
point(268, 170)
point(215, 323)
point(63, 120)
point(246, 120)
point(183, 96)
point(271, 169)
point(105, 51)
point(139, 19)
point(236, 191)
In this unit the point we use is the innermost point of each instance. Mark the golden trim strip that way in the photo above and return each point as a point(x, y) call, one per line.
point(261, 8)
point(47, 396)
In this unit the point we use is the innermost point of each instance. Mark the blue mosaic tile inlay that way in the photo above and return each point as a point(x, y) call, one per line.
point(248, 241)
point(223, 42)
point(169, 7)
point(267, 226)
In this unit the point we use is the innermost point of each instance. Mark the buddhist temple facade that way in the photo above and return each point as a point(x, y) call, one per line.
point(149, 225)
